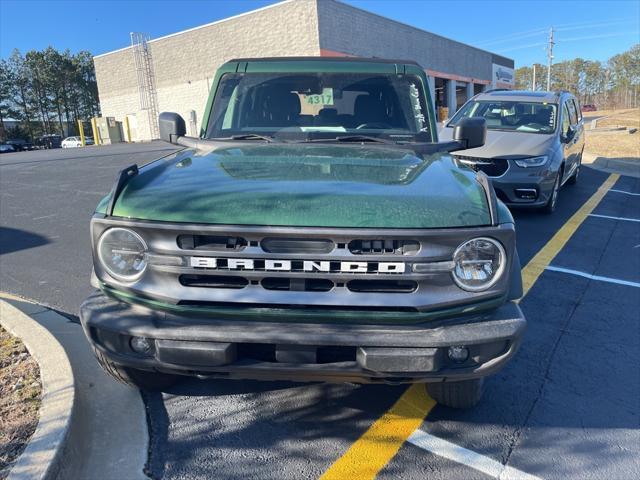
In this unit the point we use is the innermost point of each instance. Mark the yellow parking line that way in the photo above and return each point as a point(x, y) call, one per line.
point(544, 257)
point(380, 443)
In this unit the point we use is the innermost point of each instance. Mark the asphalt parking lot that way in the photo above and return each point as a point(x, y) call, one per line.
point(568, 405)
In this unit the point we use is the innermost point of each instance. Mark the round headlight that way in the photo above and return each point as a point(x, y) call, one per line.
point(479, 263)
point(122, 252)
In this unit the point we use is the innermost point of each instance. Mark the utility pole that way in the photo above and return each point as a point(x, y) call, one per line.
point(533, 86)
point(549, 58)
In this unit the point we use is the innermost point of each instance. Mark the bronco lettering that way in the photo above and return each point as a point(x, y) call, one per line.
point(288, 265)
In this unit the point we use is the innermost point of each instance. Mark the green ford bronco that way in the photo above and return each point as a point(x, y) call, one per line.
point(315, 230)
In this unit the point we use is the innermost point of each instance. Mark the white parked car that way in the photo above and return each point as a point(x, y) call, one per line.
point(72, 142)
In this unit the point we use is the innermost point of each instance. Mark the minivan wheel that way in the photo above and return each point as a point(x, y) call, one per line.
point(550, 207)
point(574, 178)
point(463, 394)
point(132, 377)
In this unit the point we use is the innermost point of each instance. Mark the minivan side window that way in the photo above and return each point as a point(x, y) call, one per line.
point(577, 105)
point(572, 111)
point(566, 122)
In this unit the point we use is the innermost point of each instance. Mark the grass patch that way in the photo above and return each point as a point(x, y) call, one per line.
point(624, 118)
point(20, 395)
point(621, 145)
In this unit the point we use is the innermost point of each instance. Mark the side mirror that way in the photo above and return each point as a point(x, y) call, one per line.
point(471, 132)
point(568, 136)
point(171, 126)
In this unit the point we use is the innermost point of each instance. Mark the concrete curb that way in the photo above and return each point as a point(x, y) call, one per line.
point(41, 458)
point(107, 437)
point(609, 165)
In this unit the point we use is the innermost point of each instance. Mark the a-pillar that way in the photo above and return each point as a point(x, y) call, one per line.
point(432, 89)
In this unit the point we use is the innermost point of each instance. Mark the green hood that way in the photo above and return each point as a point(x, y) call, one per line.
point(305, 185)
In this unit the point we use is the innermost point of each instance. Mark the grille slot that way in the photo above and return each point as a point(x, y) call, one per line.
point(211, 242)
point(493, 167)
point(384, 247)
point(382, 286)
point(213, 281)
point(286, 306)
point(297, 284)
point(296, 245)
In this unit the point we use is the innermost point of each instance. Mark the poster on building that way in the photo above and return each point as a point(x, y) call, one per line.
point(503, 77)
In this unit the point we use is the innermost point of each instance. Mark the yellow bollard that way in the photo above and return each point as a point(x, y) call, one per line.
point(94, 129)
point(81, 130)
point(127, 129)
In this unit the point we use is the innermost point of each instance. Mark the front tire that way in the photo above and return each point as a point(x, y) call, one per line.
point(132, 377)
point(463, 394)
point(550, 207)
point(574, 178)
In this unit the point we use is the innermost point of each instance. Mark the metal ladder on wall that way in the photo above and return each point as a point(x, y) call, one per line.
point(146, 80)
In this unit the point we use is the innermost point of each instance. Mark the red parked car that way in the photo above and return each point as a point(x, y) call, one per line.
point(589, 108)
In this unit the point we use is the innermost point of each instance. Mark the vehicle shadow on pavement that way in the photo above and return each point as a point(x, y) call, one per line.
point(14, 240)
point(257, 429)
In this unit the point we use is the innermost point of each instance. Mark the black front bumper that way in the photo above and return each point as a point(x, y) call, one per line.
point(223, 348)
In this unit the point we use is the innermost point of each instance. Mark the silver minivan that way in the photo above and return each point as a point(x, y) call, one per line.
point(534, 144)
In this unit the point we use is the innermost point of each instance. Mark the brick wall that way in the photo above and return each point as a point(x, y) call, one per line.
point(185, 63)
point(353, 31)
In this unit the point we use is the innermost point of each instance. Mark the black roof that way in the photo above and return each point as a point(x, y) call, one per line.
point(516, 93)
point(325, 59)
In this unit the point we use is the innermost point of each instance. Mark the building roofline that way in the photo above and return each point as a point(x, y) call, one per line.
point(342, 4)
point(222, 20)
point(283, 2)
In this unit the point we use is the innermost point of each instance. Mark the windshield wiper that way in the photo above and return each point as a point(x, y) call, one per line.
point(249, 136)
point(352, 138)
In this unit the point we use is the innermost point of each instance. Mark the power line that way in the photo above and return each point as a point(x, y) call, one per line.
point(572, 39)
point(563, 27)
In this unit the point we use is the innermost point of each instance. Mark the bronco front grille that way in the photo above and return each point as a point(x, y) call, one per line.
point(493, 167)
point(301, 268)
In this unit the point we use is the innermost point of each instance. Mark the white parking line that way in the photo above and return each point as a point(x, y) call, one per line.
point(451, 451)
point(627, 193)
point(624, 219)
point(593, 277)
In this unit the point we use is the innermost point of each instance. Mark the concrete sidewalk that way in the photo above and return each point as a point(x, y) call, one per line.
point(623, 166)
point(108, 437)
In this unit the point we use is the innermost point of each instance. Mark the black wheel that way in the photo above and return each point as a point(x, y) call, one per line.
point(574, 178)
point(550, 207)
point(132, 377)
point(464, 394)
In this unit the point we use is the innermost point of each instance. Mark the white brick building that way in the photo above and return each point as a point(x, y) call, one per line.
point(185, 62)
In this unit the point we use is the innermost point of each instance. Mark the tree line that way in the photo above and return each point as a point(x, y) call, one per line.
point(612, 84)
point(47, 92)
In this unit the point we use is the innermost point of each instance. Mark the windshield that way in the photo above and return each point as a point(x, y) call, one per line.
point(527, 117)
point(320, 105)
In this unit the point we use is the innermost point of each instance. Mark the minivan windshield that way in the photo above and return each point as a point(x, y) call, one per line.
point(526, 117)
point(316, 106)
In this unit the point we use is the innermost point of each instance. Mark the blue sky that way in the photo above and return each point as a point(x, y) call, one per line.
point(518, 29)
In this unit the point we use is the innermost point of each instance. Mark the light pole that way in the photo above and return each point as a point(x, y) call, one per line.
point(549, 58)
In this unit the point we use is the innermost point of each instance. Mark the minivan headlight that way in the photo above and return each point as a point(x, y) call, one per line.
point(478, 264)
point(122, 252)
point(532, 161)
